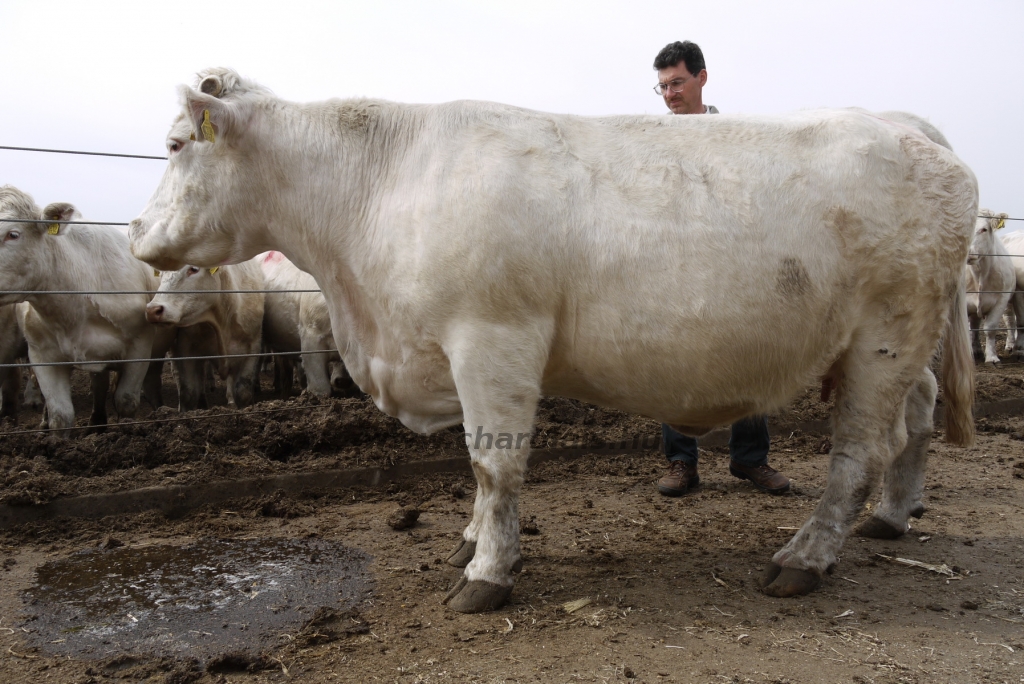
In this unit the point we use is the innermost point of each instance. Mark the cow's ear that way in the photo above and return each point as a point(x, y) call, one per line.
point(210, 116)
point(58, 211)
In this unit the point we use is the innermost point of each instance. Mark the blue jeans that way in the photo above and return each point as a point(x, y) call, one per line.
point(748, 443)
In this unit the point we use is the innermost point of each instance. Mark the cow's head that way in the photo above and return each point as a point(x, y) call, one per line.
point(186, 297)
point(985, 228)
point(23, 246)
point(207, 209)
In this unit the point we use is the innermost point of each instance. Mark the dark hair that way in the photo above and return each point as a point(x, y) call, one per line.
point(674, 53)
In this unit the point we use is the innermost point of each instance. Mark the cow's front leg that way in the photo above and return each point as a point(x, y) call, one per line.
point(903, 484)
point(991, 325)
point(55, 386)
point(498, 380)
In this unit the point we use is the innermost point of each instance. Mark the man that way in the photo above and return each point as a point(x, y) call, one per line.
point(681, 79)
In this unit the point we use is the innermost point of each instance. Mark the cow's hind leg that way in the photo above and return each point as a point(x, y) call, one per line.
point(904, 479)
point(865, 436)
point(498, 380)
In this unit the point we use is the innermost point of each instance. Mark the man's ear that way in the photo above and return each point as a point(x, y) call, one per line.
point(58, 211)
point(703, 77)
point(210, 116)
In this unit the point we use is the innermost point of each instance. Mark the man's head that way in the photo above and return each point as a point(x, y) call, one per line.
point(681, 77)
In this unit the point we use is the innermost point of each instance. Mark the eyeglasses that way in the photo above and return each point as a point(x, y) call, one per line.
point(673, 86)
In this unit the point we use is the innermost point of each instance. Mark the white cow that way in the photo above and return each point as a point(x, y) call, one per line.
point(991, 280)
point(87, 329)
point(299, 321)
point(1014, 244)
point(214, 318)
point(475, 256)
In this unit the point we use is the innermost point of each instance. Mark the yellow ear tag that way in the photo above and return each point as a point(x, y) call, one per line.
point(207, 127)
point(214, 270)
point(191, 136)
point(53, 228)
point(1002, 222)
point(156, 273)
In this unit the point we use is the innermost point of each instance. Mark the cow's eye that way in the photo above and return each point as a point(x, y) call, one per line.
point(175, 146)
point(12, 235)
point(192, 270)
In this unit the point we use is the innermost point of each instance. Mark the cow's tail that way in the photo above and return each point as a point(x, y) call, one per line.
point(958, 371)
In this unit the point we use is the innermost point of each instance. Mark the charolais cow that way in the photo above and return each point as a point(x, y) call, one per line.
point(216, 315)
point(300, 321)
point(320, 358)
point(89, 329)
point(991, 281)
point(694, 269)
point(1013, 242)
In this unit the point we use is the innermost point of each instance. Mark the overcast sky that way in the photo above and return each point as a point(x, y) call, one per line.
point(101, 76)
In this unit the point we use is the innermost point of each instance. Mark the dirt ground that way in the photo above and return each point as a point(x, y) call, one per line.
point(671, 583)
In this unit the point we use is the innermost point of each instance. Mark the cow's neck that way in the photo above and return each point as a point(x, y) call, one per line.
point(333, 237)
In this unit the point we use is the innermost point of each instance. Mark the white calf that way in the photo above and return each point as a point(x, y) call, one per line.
point(212, 320)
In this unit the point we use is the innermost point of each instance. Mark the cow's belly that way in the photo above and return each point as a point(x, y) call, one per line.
point(700, 371)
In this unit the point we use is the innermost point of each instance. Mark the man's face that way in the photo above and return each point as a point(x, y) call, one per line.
point(688, 98)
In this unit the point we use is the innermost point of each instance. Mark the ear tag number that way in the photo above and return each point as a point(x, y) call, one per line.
point(214, 270)
point(53, 228)
point(207, 127)
point(1002, 222)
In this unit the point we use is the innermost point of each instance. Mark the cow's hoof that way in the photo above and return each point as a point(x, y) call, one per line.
point(476, 596)
point(876, 528)
point(462, 554)
point(918, 511)
point(783, 582)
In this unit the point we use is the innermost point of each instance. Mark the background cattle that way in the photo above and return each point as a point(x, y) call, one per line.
point(991, 282)
point(1014, 244)
point(88, 329)
point(475, 256)
point(213, 318)
point(299, 321)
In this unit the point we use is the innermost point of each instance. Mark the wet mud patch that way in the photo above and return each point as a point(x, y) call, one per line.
point(206, 600)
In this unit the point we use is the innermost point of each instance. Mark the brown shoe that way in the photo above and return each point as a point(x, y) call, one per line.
point(764, 477)
point(678, 479)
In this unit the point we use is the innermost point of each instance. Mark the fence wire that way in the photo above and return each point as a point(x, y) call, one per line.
point(165, 359)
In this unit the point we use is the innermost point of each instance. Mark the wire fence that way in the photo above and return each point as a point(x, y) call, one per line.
point(213, 416)
point(165, 358)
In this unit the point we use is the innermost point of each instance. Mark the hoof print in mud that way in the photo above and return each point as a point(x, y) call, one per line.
point(783, 582)
point(477, 596)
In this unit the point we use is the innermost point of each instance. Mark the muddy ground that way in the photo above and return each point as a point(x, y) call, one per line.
point(671, 582)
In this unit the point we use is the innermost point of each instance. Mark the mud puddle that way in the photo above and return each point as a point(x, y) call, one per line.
point(199, 600)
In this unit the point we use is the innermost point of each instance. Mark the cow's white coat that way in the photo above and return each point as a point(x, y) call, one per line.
point(692, 269)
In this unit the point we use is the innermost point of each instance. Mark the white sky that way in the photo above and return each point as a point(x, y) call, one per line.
point(101, 76)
